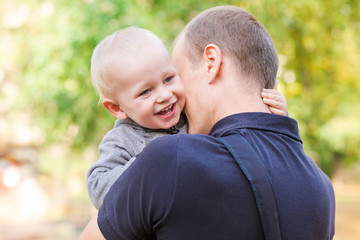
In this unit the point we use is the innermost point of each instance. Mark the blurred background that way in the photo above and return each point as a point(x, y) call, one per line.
point(51, 125)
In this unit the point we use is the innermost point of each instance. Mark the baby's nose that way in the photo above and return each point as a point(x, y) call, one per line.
point(164, 96)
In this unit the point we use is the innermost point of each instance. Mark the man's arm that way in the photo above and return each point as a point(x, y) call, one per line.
point(92, 231)
point(142, 196)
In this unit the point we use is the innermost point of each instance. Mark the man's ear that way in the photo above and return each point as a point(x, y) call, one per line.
point(213, 58)
point(114, 108)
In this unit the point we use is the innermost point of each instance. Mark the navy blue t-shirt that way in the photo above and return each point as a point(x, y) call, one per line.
point(188, 186)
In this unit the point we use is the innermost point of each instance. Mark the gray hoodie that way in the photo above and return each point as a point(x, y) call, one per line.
point(118, 150)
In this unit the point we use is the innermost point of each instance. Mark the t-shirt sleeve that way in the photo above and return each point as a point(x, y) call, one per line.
point(142, 196)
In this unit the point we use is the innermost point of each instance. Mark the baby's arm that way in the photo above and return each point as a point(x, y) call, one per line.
point(117, 151)
point(275, 100)
point(113, 161)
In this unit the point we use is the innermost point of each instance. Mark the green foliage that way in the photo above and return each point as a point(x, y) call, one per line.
point(320, 42)
point(317, 41)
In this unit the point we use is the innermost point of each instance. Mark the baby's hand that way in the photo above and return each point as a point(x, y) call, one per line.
point(275, 100)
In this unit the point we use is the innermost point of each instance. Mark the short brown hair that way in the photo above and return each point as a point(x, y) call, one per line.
point(240, 36)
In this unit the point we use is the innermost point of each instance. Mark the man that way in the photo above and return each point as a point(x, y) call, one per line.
point(245, 176)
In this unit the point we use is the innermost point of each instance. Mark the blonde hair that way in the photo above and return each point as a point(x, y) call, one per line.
point(240, 36)
point(122, 42)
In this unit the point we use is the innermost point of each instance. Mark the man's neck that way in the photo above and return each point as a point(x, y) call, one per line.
point(226, 107)
point(199, 126)
point(234, 102)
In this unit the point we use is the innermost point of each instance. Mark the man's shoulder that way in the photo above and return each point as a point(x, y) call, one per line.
point(169, 146)
point(171, 140)
point(166, 144)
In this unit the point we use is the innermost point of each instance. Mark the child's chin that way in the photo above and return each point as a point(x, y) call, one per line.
point(172, 124)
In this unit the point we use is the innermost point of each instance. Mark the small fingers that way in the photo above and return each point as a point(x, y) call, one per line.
point(274, 91)
point(277, 111)
point(271, 96)
point(272, 103)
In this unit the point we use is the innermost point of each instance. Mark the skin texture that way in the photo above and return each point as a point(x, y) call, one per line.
point(145, 86)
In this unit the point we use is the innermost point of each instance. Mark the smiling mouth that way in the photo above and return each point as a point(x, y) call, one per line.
point(167, 111)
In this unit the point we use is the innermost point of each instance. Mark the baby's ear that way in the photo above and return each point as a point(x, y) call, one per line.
point(114, 108)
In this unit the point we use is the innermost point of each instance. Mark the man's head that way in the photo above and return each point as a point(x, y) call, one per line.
point(133, 72)
point(240, 36)
point(221, 43)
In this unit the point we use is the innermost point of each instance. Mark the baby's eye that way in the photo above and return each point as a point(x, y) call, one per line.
point(169, 79)
point(147, 91)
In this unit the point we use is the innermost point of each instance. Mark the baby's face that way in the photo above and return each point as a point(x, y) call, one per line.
point(149, 91)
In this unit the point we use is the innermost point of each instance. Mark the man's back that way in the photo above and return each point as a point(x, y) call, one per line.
point(194, 189)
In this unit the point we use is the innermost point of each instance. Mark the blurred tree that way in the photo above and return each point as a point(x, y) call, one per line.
point(317, 42)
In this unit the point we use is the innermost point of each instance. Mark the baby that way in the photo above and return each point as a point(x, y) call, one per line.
point(133, 73)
